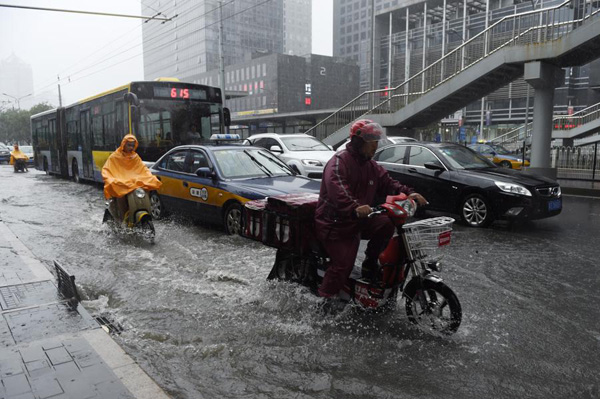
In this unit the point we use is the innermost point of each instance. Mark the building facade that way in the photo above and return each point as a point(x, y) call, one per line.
point(16, 83)
point(280, 83)
point(409, 35)
point(189, 44)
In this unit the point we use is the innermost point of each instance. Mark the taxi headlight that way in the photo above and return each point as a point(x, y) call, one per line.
point(140, 193)
point(312, 162)
point(513, 188)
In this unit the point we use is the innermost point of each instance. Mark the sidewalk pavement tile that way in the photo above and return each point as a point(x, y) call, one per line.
point(6, 338)
point(62, 378)
point(47, 321)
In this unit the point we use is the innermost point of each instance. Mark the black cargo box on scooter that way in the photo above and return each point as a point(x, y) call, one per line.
point(283, 222)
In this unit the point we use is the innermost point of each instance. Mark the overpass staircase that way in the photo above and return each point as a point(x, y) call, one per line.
point(562, 35)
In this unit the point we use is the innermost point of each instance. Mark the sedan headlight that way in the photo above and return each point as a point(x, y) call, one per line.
point(513, 188)
point(140, 193)
point(312, 162)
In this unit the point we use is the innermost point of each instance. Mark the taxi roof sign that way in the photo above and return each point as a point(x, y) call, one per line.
point(225, 137)
point(228, 137)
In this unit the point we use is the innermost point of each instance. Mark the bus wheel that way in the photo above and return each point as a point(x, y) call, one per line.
point(75, 168)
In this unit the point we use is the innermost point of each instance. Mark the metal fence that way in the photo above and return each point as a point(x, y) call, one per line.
point(577, 163)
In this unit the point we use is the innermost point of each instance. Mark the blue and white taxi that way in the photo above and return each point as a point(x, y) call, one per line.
point(211, 182)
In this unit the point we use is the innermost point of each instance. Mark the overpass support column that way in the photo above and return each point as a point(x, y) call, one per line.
point(544, 78)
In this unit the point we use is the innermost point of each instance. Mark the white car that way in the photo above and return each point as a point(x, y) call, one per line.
point(382, 143)
point(305, 154)
point(27, 150)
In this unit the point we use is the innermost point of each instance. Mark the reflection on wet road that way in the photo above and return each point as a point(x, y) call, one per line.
point(202, 320)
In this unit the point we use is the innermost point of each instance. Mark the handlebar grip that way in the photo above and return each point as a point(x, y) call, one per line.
point(377, 211)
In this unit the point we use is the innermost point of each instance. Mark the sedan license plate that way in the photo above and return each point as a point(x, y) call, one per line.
point(555, 205)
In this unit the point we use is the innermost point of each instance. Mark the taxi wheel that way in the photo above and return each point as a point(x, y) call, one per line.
point(506, 164)
point(156, 207)
point(233, 219)
point(476, 211)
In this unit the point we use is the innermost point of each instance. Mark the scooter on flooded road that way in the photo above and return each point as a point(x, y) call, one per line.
point(409, 265)
point(131, 213)
point(20, 165)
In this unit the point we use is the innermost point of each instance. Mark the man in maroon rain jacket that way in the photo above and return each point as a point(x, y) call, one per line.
point(351, 181)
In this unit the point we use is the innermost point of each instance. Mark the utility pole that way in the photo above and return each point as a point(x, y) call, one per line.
point(222, 58)
point(59, 95)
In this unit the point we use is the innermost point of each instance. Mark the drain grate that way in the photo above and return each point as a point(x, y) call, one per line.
point(111, 327)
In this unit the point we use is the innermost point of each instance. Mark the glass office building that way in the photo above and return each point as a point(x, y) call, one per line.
point(189, 44)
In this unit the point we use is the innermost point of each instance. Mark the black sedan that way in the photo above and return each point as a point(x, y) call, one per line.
point(455, 179)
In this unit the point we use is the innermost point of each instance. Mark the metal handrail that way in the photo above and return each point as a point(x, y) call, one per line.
point(559, 122)
point(371, 102)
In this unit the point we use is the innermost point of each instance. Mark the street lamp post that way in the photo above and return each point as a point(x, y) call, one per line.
point(17, 99)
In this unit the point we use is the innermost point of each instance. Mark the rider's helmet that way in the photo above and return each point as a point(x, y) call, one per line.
point(367, 130)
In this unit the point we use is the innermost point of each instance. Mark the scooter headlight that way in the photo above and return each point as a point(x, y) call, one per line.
point(140, 193)
point(409, 206)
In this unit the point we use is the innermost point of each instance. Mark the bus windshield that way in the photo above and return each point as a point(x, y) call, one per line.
point(167, 123)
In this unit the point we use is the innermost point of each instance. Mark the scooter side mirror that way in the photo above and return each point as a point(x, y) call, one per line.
point(205, 171)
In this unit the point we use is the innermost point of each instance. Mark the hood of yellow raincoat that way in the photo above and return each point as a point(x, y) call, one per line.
point(122, 173)
point(17, 154)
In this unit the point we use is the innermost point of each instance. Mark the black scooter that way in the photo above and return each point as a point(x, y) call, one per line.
point(20, 165)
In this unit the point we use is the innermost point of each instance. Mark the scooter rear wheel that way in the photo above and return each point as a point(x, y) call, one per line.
point(433, 306)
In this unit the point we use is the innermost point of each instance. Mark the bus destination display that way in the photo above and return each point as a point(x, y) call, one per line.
point(180, 93)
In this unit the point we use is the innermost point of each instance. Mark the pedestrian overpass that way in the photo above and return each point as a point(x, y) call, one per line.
point(581, 128)
point(534, 44)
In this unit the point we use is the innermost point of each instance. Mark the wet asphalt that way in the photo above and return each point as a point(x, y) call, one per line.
point(202, 320)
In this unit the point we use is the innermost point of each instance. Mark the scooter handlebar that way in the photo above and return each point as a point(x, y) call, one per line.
point(376, 211)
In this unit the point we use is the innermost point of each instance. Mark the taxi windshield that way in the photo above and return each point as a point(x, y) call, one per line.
point(249, 163)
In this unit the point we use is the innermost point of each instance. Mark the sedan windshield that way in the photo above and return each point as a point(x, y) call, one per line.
point(464, 158)
point(304, 144)
point(248, 163)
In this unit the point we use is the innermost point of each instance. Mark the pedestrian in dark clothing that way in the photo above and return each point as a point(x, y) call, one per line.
point(351, 181)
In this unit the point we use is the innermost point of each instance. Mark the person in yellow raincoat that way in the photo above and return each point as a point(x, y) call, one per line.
point(124, 171)
point(17, 154)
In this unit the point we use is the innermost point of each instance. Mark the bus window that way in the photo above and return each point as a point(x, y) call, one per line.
point(98, 139)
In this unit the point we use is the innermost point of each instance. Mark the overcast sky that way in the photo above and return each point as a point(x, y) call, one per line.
point(94, 53)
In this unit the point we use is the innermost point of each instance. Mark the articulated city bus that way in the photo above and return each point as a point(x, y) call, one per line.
point(75, 141)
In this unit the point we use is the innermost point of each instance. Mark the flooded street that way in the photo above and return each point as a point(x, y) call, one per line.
point(202, 320)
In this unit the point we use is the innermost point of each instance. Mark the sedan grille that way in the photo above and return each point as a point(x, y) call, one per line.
point(549, 191)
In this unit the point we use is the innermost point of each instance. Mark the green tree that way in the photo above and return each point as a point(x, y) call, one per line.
point(15, 123)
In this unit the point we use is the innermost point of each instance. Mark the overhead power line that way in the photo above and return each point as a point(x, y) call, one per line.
point(87, 12)
point(72, 79)
point(67, 76)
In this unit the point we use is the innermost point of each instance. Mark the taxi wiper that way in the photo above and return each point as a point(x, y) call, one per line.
point(260, 165)
point(275, 161)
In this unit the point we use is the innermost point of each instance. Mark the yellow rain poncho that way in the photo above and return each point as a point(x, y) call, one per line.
point(122, 173)
point(17, 154)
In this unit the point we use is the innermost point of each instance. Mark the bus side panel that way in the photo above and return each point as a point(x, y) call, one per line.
point(100, 158)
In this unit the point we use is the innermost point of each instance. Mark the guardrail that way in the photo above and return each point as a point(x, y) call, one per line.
point(531, 27)
point(577, 163)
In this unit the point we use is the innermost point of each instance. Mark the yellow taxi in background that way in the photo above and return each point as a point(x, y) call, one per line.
point(211, 183)
point(499, 155)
